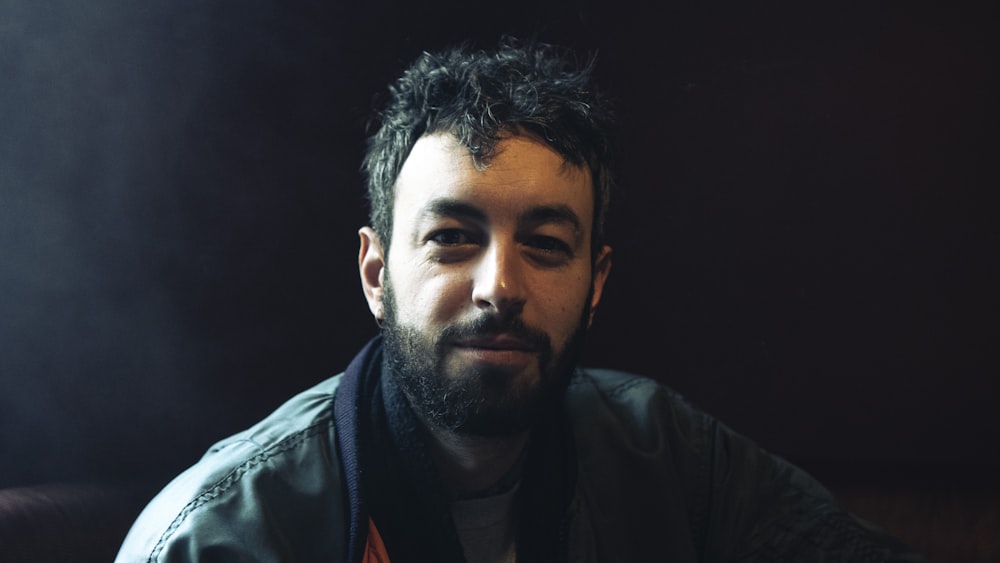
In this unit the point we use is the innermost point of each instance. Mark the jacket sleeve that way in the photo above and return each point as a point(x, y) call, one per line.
point(270, 493)
point(764, 509)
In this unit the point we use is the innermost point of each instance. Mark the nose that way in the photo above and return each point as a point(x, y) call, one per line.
point(499, 283)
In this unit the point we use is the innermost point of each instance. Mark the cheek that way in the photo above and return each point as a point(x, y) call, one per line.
point(431, 299)
point(563, 306)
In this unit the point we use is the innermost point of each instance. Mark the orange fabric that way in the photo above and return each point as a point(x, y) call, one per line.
point(374, 548)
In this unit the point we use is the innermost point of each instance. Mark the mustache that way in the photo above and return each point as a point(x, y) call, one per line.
point(492, 325)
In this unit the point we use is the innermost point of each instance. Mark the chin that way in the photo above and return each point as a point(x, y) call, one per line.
point(510, 405)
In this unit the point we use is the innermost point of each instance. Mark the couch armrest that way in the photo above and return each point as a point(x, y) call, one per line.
point(67, 522)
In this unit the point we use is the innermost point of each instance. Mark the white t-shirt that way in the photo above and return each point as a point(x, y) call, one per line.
point(487, 527)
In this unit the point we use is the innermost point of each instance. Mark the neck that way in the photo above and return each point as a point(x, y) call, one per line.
point(473, 465)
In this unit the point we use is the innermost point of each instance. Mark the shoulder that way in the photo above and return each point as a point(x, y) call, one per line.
point(634, 426)
point(618, 389)
point(249, 487)
point(291, 423)
point(639, 406)
point(742, 502)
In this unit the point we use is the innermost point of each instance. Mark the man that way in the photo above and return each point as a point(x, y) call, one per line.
point(465, 431)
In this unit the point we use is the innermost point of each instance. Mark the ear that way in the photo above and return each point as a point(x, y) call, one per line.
point(602, 267)
point(371, 266)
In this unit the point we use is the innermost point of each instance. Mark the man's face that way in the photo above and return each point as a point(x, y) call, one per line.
point(489, 283)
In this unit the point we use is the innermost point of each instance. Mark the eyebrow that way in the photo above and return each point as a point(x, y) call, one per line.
point(446, 207)
point(540, 215)
point(546, 214)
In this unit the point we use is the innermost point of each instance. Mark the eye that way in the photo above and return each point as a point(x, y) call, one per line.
point(549, 250)
point(548, 244)
point(451, 237)
point(450, 245)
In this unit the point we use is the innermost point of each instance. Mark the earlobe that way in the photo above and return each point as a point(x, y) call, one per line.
point(371, 266)
point(602, 268)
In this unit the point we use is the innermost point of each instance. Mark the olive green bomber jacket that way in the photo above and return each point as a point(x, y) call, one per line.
point(656, 480)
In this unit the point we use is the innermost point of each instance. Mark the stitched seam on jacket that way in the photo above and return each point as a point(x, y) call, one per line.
point(624, 387)
point(232, 478)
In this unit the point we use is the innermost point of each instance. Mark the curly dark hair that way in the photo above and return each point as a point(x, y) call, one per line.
point(480, 97)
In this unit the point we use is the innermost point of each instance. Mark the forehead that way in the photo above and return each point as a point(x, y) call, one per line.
point(523, 173)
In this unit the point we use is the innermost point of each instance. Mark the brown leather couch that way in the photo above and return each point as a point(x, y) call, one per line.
point(78, 523)
point(955, 524)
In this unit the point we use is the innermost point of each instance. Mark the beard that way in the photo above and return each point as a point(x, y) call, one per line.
point(480, 401)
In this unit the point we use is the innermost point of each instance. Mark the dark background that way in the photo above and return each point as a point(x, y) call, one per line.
point(804, 234)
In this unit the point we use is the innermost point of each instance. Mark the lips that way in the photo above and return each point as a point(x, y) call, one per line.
point(497, 342)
